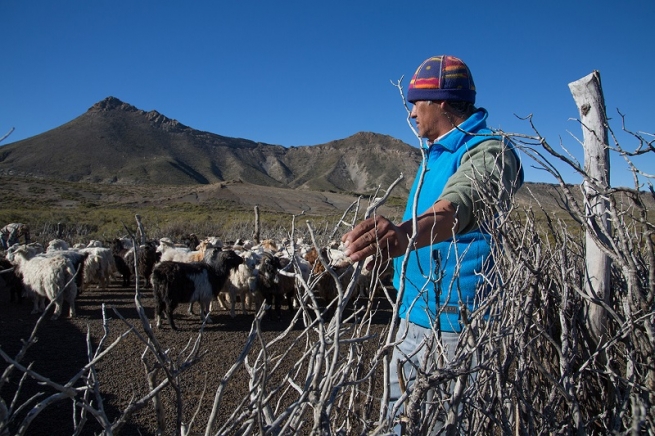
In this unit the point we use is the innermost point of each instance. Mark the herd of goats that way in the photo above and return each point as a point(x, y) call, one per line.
point(205, 271)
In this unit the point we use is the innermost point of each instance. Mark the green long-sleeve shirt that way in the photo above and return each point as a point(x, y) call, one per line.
point(483, 170)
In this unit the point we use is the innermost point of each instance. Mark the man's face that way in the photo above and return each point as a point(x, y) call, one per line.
point(430, 118)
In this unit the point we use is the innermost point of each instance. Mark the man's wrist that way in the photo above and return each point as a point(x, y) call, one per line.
point(406, 232)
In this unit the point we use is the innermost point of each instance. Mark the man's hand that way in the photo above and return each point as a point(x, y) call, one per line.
point(379, 236)
point(375, 236)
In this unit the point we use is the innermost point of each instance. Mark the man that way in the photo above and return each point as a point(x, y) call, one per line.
point(11, 233)
point(464, 163)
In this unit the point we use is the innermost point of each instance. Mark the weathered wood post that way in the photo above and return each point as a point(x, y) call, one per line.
point(141, 233)
point(255, 235)
point(588, 96)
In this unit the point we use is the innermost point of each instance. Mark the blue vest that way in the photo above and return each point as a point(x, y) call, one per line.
point(430, 280)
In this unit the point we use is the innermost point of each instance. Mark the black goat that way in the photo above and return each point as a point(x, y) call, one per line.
point(177, 282)
point(147, 257)
point(275, 286)
point(10, 280)
point(119, 251)
point(146, 261)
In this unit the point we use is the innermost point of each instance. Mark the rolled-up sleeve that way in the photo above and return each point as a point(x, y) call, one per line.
point(489, 170)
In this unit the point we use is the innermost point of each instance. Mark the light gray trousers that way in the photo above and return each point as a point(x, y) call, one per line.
point(414, 341)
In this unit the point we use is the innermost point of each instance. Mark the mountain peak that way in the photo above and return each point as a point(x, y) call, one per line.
point(164, 122)
point(115, 142)
point(155, 118)
point(111, 103)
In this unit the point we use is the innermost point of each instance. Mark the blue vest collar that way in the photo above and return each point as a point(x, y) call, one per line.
point(455, 138)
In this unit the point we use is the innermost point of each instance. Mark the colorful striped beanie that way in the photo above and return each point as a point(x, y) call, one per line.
point(442, 78)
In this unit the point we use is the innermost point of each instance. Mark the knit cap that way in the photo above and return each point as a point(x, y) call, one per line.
point(442, 78)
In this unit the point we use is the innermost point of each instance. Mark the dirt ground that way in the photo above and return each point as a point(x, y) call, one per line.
point(61, 350)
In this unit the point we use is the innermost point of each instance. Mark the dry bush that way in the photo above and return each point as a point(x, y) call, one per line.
point(527, 362)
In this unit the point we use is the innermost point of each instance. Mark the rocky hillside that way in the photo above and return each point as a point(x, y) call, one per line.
point(117, 143)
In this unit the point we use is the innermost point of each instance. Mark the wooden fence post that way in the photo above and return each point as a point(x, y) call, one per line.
point(255, 235)
point(141, 233)
point(588, 96)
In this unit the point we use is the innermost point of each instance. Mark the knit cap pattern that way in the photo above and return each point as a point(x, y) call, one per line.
point(442, 78)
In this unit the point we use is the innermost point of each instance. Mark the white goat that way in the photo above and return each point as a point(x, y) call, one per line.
point(98, 266)
point(171, 252)
point(212, 241)
point(242, 282)
point(50, 277)
point(32, 249)
point(57, 244)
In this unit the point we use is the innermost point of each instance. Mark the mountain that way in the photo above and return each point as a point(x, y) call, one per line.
point(117, 143)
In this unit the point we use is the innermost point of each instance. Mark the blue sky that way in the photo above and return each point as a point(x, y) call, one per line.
point(305, 73)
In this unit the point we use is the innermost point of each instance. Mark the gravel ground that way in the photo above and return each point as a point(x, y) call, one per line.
point(61, 350)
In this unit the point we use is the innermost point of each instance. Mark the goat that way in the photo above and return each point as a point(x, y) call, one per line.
point(57, 244)
point(11, 281)
point(178, 282)
point(324, 284)
point(190, 240)
point(270, 285)
point(267, 245)
point(98, 266)
point(33, 248)
point(119, 250)
point(171, 252)
point(242, 281)
point(48, 277)
point(77, 259)
point(368, 281)
point(243, 245)
point(198, 254)
point(147, 258)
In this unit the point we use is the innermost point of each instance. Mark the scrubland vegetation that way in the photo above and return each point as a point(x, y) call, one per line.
point(530, 360)
point(81, 223)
